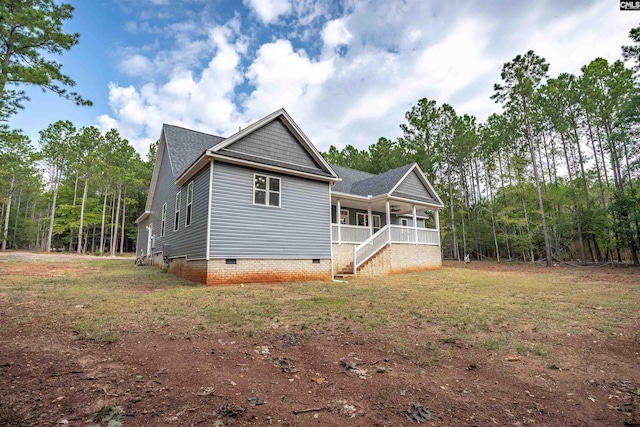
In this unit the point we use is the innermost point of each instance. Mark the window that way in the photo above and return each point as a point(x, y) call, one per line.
point(376, 223)
point(164, 219)
point(404, 222)
point(362, 219)
point(344, 216)
point(176, 222)
point(266, 190)
point(187, 220)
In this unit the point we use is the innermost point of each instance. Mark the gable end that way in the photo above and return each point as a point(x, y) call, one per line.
point(274, 141)
point(412, 187)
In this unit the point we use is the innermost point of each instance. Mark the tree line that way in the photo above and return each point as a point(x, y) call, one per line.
point(79, 189)
point(553, 176)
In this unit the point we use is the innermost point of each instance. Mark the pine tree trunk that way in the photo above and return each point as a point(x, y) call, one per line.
point(104, 209)
point(75, 197)
point(56, 186)
point(15, 223)
point(115, 234)
point(7, 213)
point(124, 206)
point(547, 244)
point(573, 198)
point(454, 242)
point(81, 248)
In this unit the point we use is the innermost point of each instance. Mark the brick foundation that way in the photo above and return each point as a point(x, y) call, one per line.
point(402, 258)
point(196, 271)
point(342, 255)
point(267, 270)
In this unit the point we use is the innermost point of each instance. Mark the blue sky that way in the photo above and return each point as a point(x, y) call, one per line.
point(346, 71)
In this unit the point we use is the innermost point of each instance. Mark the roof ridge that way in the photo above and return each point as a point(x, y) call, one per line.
point(193, 130)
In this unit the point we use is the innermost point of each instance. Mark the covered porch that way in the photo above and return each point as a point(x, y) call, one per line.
point(355, 219)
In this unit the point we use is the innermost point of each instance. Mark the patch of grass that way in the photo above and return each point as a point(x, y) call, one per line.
point(536, 349)
point(478, 307)
point(96, 330)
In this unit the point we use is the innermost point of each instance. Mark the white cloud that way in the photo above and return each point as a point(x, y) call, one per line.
point(336, 33)
point(359, 74)
point(136, 65)
point(269, 10)
point(203, 102)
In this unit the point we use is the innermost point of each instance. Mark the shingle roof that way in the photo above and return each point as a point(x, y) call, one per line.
point(380, 184)
point(185, 146)
point(349, 177)
point(367, 184)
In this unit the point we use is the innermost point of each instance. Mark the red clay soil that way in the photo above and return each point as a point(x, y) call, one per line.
point(336, 376)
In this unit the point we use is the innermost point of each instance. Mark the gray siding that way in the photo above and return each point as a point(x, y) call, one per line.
point(275, 141)
point(141, 243)
point(299, 229)
point(187, 241)
point(412, 186)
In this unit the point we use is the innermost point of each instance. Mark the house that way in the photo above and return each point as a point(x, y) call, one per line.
point(263, 205)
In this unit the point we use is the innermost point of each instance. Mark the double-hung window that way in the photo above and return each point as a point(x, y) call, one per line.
point(266, 190)
point(344, 216)
point(362, 219)
point(176, 222)
point(187, 221)
point(164, 219)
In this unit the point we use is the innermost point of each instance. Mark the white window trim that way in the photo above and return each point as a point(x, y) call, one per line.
point(344, 211)
point(374, 216)
point(163, 220)
point(188, 215)
point(267, 191)
point(404, 222)
point(365, 215)
point(176, 214)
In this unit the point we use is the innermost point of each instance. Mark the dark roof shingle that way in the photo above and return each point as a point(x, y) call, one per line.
point(185, 146)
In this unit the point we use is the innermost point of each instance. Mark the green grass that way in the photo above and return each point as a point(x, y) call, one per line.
point(419, 314)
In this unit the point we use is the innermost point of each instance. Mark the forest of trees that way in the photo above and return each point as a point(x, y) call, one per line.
point(79, 190)
point(553, 177)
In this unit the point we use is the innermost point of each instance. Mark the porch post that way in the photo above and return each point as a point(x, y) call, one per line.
point(369, 219)
point(339, 219)
point(436, 218)
point(388, 212)
point(415, 222)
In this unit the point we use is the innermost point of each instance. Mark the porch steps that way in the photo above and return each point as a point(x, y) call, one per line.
point(348, 269)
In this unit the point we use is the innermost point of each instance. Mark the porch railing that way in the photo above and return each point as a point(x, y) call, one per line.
point(404, 234)
point(349, 233)
point(371, 246)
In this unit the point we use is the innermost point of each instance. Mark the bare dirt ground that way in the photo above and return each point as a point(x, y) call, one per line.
point(336, 375)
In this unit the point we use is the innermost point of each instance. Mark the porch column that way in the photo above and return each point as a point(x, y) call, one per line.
point(388, 212)
point(415, 222)
point(339, 220)
point(369, 219)
point(436, 218)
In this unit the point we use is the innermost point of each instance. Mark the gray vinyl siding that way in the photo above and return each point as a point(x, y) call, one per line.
point(188, 241)
point(275, 141)
point(412, 186)
point(298, 229)
point(141, 243)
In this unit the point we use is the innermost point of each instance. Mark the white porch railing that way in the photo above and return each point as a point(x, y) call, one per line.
point(403, 234)
point(369, 247)
point(428, 236)
point(393, 234)
point(349, 233)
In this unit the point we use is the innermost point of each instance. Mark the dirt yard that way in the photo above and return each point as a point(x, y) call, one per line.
point(58, 368)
